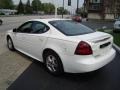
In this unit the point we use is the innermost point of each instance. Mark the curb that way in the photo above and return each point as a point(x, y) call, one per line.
point(117, 47)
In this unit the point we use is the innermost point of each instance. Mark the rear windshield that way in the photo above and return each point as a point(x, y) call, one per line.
point(70, 28)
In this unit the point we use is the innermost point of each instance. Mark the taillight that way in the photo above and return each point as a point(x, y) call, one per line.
point(83, 48)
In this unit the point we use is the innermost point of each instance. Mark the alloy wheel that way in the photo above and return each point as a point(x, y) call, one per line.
point(51, 63)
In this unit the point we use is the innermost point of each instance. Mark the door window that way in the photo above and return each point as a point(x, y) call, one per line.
point(25, 28)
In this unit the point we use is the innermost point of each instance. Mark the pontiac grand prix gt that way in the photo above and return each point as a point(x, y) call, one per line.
point(62, 45)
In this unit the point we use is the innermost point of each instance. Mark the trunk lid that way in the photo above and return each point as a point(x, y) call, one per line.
point(100, 42)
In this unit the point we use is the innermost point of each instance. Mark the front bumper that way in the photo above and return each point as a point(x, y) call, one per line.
point(82, 64)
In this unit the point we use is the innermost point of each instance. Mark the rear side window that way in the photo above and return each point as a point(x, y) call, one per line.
point(70, 28)
point(39, 27)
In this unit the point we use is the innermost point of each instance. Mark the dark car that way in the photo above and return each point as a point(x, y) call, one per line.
point(1, 22)
point(77, 18)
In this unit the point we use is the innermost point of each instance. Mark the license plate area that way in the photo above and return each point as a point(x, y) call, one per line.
point(105, 45)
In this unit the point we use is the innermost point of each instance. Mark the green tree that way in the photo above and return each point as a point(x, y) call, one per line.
point(48, 8)
point(62, 10)
point(20, 8)
point(36, 5)
point(28, 8)
point(1, 4)
point(6, 4)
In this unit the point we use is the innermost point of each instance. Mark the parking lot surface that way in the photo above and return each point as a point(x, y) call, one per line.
point(99, 24)
point(19, 72)
point(35, 77)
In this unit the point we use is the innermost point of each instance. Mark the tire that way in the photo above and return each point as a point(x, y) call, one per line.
point(10, 44)
point(0, 22)
point(53, 63)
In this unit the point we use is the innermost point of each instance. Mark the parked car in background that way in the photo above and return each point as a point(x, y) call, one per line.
point(62, 45)
point(77, 18)
point(117, 25)
point(1, 22)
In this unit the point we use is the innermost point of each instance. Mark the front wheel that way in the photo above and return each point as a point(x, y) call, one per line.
point(0, 22)
point(10, 44)
point(53, 63)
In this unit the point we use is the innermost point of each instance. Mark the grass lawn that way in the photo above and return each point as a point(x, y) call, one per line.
point(115, 35)
point(116, 38)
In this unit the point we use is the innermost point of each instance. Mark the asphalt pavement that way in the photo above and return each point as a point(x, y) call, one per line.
point(97, 24)
point(35, 77)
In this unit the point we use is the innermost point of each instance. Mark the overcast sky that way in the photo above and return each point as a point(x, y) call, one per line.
point(59, 3)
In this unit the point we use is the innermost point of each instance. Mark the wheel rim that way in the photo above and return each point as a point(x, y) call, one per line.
point(51, 63)
point(9, 44)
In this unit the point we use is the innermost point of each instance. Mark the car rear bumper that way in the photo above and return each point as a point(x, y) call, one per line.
point(82, 64)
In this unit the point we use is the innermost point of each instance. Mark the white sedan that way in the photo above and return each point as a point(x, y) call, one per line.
point(62, 45)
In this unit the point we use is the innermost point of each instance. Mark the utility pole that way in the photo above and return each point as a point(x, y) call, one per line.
point(56, 11)
point(37, 7)
point(55, 3)
point(84, 5)
point(63, 9)
point(77, 6)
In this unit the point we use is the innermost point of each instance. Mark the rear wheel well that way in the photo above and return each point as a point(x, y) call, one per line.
point(52, 52)
point(46, 51)
point(49, 50)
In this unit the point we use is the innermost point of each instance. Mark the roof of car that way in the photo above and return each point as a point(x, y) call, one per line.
point(48, 19)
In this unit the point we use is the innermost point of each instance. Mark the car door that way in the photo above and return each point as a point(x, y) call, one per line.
point(20, 36)
point(37, 39)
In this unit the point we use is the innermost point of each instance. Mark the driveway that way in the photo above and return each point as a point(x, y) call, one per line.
point(35, 77)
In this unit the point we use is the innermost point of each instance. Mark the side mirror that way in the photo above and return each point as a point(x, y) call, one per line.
point(14, 30)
